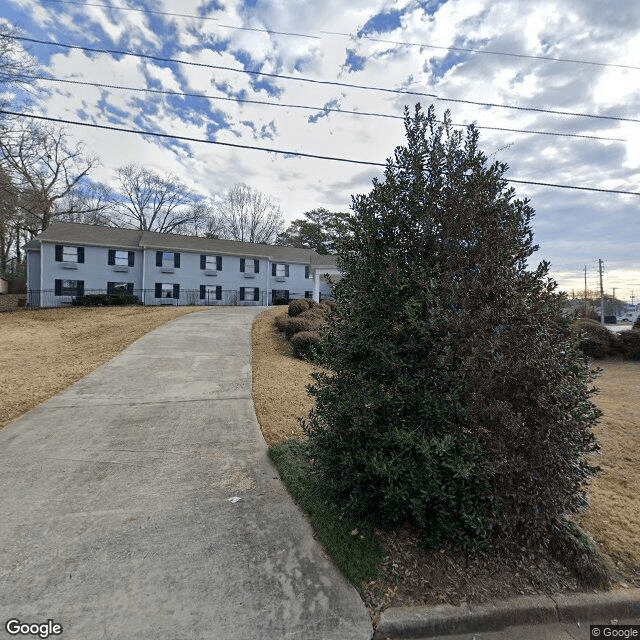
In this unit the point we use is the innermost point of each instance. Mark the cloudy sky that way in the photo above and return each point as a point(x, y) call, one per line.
point(479, 58)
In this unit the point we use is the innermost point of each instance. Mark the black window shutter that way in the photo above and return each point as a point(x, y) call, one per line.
point(58, 288)
point(256, 294)
point(241, 293)
point(219, 292)
point(203, 262)
point(80, 287)
point(112, 257)
point(130, 288)
point(176, 291)
point(203, 290)
point(58, 253)
point(306, 271)
point(110, 288)
point(176, 260)
point(158, 259)
point(286, 294)
point(241, 265)
point(219, 263)
point(256, 266)
point(286, 270)
point(158, 289)
point(273, 269)
point(80, 254)
point(132, 258)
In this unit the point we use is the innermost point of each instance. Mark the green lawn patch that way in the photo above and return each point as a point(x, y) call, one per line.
point(352, 545)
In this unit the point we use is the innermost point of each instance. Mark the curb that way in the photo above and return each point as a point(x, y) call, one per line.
point(442, 620)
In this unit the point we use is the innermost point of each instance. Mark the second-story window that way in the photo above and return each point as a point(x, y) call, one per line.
point(65, 253)
point(167, 259)
point(121, 258)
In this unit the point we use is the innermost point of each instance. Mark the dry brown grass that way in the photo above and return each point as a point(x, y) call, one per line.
point(614, 517)
point(279, 381)
point(44, 351)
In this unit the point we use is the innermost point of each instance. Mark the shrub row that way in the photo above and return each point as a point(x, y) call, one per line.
point(304, 324)
point(597, 341)
point(105, 299)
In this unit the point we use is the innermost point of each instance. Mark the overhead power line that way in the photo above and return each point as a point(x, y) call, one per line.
point(190, 63)
point(361, 37)
point(486, 51)
point(314, 81)
point(302, 106)
point(278, 151)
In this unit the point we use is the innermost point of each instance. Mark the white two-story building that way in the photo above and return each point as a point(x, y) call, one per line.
point(68, 260)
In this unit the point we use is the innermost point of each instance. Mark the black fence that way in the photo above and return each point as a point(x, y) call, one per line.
point(185, 297)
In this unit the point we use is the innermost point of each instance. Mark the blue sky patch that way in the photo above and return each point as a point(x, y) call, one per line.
point(382, 23)
point(354, 62)
point(332, 104)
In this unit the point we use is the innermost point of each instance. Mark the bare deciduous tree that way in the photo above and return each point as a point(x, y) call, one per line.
point(250, 216)
point(45, 168)
point(150, 202)
point(16, 66)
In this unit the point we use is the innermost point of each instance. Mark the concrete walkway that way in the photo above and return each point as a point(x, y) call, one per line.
point(116, 518)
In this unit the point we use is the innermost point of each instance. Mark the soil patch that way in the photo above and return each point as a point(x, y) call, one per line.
point(44, 351)
point(412, 576)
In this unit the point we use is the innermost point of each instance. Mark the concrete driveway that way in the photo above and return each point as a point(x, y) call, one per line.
point(140, 503)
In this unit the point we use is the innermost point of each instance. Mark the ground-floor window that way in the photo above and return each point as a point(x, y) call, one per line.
point(279, 294)
point(210, 292)
point(69, 287)
point(308, 294)
point(250, 293)
point(167, 290)
point(120, 287)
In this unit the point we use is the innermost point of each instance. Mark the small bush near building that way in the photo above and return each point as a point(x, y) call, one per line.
point(295, 325)
point(304, 343)
point(636, 325)
point(296, 307)
point(105, 299)
point(281, 301)
point(282, 322)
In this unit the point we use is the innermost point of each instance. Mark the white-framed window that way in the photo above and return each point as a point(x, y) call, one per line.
point(122, 258)
point(167, 290)
point(280, 269)
point(211, 262)
point(69, 254)
point(168, 259)
point(66, 253)
point(249, 266)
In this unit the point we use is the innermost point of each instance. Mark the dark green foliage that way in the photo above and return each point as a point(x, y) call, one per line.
point(296, 307)
point(595, 340)
point(629, 344)
point(458, 398)
point(105, 299)
point(304, 343)
point(281, 301)
point(636, 325)
point(351, 544)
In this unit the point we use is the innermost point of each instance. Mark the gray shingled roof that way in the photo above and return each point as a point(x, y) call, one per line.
point(86, 234)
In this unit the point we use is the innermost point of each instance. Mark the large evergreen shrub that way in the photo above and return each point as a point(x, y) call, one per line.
point(457, 397)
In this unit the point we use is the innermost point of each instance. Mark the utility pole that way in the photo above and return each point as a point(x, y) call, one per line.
point(585, 290)
point(601, 293)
